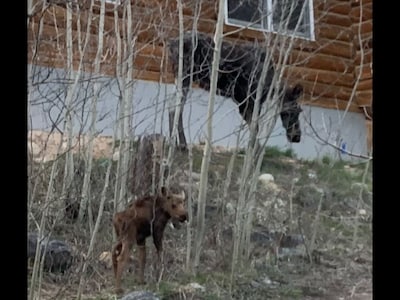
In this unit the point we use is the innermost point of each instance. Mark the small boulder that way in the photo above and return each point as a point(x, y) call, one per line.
point(58, 255)
point(140, 295)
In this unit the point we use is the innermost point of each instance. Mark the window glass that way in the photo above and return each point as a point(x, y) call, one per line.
point(281, 16)
point(245, 11)
point(287, 13)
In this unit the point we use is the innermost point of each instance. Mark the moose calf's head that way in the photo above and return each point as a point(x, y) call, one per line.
point(290, 113)
point(174, 204)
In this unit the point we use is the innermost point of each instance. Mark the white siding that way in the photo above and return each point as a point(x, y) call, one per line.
point(151, 98)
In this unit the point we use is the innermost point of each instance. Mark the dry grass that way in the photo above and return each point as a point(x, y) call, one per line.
point(338, 270)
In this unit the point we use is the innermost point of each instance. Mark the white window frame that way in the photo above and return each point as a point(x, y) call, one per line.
point(268, 25)
point(116, 2)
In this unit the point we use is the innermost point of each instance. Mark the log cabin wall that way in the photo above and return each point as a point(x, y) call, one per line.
point(335, 69)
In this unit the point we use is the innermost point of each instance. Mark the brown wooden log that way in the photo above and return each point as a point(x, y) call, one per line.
point(366, 55)
point(320, 61)
point(338, 7)
point(364, 98)
point(365, 70)
point(366, 12)
point(365, 42)
point(365, 84)
point(330, 103)
point(321, 76)
point(364, 27)
point(60, 62)
point(333, 19)
point(332, 32)
point(316, 90)
point(355, 3)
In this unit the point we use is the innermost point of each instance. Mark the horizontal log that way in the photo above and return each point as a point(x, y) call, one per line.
point(363, 27)
point(59, 44)
point(366, 3)
point(209, 9)
point(361, 11)
point(333, 48)
point(362, 41)
point(321, 76)
point(366, 84)
point(316, 89)
point(319, 61)
point(330, 103)
point(332, 32)
point(364, 98)
point(342, 8)
point(106, 69)
point(366, 56)
point(364, 71)
point(142, 62)
point(333, 19)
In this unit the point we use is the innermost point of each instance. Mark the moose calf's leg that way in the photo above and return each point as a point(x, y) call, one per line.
point(157, 238)
point(115, 256)
point(122, 260)
point(142, 262)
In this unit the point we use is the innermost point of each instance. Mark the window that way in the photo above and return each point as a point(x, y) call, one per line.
point(290, 17)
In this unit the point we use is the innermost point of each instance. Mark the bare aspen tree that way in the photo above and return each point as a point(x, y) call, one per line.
point(92, 128)
point(39, 259)
point(124, 67)
point(71, 92)
point(254, 154)
point(179, 93)
point(103, 198)
point(189, 265)
point(207, 148)
point(127, 102)
point(118, 205)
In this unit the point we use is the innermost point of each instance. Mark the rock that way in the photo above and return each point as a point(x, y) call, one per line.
point(140, 295)
point(58, 255)
point(265, 179)
point(230, 209)
point(192, 287)
point(105, 259)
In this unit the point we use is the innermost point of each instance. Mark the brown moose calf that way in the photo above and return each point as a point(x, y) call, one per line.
point(144, 217)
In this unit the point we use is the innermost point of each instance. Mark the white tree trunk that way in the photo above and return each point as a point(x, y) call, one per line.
point(92, 129)
point(125, 57)
point(207, 148)
point(71, 93)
